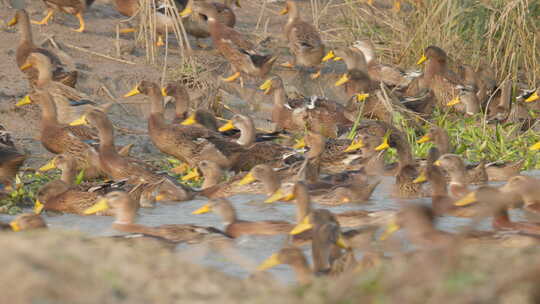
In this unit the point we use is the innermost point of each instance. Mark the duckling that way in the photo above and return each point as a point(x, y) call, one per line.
point(236, 228)
point(125, 213)
point(304, 40)
point(26, 47)
point(118, 167)
point(234, 47)
point(28, 221)
point(72, 7)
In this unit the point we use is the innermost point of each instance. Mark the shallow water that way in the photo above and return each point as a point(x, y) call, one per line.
point(252, 249)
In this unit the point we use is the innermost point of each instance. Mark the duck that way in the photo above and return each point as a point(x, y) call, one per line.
point(502, 108)
point(295, 258)
point(437, 76)
point(388, 74)
point(70, 103)
point(327, 241)
point(197, 25)
point(498, 202)
point(260, 152)
point(11, 160)
point(476, 173)
point(59, 196)
point(117, 167)
point(189, 144)
point(235, 227)
point(302, 197)
point(526, 188)
point(213, 187)
point(319, 114)
point(59, 138)
point(27, 221)
point(26, 47)
point(304, 40)
point(441, 202)
point(236, 49)
point(326, 255)
point(406, 169)
point(72, 7)
point(125, 215)
point(455, 167)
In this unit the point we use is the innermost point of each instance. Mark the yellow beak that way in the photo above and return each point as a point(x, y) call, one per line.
point(284, 11)
point(535, 147)
point(301, 143)
point(361, 97)
point(266, 86)
point(424, 139)
point(189, 121)
point(186, 12)
point(25, 66)
point(341, 242)
point(12, 22)
point(226, 127)
point(421, 60)
point(533, 97)
point(344, 79)
point(303, 226)
point(355, 145)
point(14, 226)
point(437, 163)
point(79, 122)
point(328, 56)
point(384, 144)
point(38, 207)
point(204, 209)
point(163, 91)
point(278, 195)
point(48, 166)
point(453, 102)
point(466, 200)
point(101, 205)
point(421, 178)
point(24, 101)
point(270, 262)
point(159, 197)
point(193, 174)
point(247, 179)
point(133, 92)
point(390, 229)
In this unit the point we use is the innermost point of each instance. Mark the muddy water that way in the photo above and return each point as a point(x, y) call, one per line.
point(252, 249)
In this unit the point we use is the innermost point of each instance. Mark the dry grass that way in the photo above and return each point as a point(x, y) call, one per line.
point(500, 34)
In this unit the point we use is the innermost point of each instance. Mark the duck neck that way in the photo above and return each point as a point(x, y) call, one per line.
point(181, 104)
point(106, 138)
point(45, 74)
point(294, 13)
point(247, 133)
point(125, 214)
point(228, 215)
point(211, 179)
point(48, 109)
point(68, 175)
point(303, 273)
point(435, 67)
point(404, 153)
point(303, 207)
point(271, 183)
point(438, 183)
point(26, 31)
point(156, 120)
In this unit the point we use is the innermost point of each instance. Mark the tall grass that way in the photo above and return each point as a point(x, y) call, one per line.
point(501, 34)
